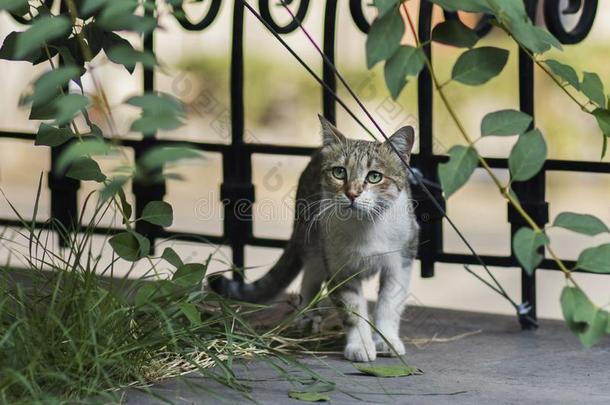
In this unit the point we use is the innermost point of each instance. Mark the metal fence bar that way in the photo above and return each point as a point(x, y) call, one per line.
point(237, 190)
point(144, 193)
point(430, 219)
point(531, 193)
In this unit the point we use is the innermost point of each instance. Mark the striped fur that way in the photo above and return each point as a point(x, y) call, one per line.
point(341, 240)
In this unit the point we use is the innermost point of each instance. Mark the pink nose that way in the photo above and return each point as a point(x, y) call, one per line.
point(352, 195)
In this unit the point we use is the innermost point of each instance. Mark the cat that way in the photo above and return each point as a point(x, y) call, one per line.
point(353, 218)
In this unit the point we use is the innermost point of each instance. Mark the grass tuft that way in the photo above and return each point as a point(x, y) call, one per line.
point(69, 335)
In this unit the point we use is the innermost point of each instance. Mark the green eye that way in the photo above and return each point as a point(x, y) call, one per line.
point(374, 177)
point(339, 173)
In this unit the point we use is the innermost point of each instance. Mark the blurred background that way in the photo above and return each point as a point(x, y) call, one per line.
point(282, 102)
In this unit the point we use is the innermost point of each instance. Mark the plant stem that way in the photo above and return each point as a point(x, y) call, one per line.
point(583, 106)
point(503, 189)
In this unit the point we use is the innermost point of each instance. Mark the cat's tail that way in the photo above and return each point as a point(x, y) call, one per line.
point(274, 282)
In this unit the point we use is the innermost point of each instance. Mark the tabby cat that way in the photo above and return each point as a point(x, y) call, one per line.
point(353, 218)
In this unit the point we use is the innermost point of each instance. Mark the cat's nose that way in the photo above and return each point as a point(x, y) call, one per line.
point(352, 194)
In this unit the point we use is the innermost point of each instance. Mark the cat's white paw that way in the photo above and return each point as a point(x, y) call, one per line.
point(360, 352)
point(397, 349)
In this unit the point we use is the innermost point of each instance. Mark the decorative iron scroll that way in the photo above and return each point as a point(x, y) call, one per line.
point(553, 13)
point(237, 186)
point(265, 11)
point(205, 21)
point(355, 8)
point(553, 20)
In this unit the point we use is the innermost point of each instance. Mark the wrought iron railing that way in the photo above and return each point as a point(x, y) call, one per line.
point(237, 190)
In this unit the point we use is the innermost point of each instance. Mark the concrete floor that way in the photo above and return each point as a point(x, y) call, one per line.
point(496, 363)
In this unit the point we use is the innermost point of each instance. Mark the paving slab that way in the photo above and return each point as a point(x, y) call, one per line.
point(467, 358)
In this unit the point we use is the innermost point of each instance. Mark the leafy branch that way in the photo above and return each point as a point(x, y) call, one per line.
point(476, 66)
point(78, 34)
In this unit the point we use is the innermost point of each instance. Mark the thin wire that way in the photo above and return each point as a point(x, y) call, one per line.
point(418, 179)
point(382, 132)
point(309, 70)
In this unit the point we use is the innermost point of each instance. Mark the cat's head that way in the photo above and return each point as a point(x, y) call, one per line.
point(362, 175)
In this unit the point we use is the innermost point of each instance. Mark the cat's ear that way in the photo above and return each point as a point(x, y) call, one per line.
point(403, 140)
point(330, 134)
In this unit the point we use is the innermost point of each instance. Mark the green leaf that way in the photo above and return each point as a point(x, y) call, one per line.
point(505, 122)
point(172, 257)
point(68, 106)
point(157, 157)
point(87, 147)
point(130, 246)
point(125, 206)
point(127, 56)
point(598, 324)
point(119, 15)
point(536, 39)
point(44, 111)
point(85, 168)
point(158, 213)
point(513, 16)
point(603, 120)
point(384, 37)
point(581, 223)
point(397, 370)
point(153, 291)
point(19, 7)
point(49, 85)
point(112, 188)
point(565, 72)
point(454, 33)
point(456, 172)
point(576, 308)
point(9, 49)
point(111, 40)
point(527, 156)
point(159, 111)
point(189, 275)
point(526, 245)
point(50, 136)
point(313, 393)
point(585, 320)
point(309, 396)
point(479, 65)
point(43, 30)
point(191, 312)
point(90, 6)
point(593, 88)
point(407, 61)
point(602, 116)
point(595, 259)
point(471, 6)
point(148, 124)
point(385, 6)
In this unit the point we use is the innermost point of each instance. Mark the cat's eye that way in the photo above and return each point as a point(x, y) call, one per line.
point(374, 177)
point(339, 173)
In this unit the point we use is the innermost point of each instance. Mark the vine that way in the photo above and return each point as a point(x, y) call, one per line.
point(81, 31)
point(475, 66)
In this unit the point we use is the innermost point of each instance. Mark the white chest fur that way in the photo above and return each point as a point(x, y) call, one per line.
point(362, 245)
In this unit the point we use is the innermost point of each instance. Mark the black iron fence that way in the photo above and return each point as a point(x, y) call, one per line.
point(237, 190)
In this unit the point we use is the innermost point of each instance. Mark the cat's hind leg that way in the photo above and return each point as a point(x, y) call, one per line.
point(314, 275)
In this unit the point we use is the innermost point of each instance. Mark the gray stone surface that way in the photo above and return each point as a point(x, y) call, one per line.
point(500, 364)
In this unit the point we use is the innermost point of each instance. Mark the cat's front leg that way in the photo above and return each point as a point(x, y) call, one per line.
point(393, 293)
point(359, 345)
